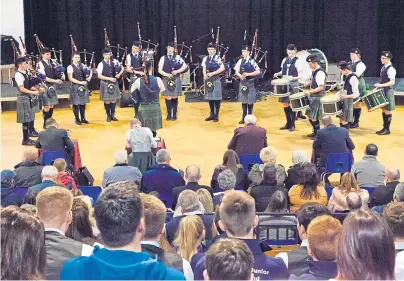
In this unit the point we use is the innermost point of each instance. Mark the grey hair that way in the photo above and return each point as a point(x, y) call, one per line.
point(250, 119)
point(226, 179)
point(188, 200)
point(193, 173)
point(399, 192)
point(353, 201)
point(299, 157)
point(120, 156)
point(162, 155)
point(49, 171)
point(393, 174)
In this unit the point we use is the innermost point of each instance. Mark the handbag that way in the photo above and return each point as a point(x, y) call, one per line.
point(83, 177)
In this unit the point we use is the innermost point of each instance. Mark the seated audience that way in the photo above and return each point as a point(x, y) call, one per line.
point(54, 205)
point(192, 175)
point(354, 202)
point(311, 190)
point(383, 194)
point(398, 196)
point(298, 259)
point(54, 139)
point(369, 172)
point(226, 181)
point(262, 193)
point(365, 248)
point(162, 177)
point(119, 215)
point(64, 178)
point(339, 196)
point(9, 195)
point(23, 253)
point(295, 172)
point(121, 170)
point(49, 176)
point(189, 237)
point(268, 156)
point(230, 161)
point(249, 139)
point(393, 213)
point(229, 259)
point(155, 216)
point(206, 199)
point(28, 172)
point(399, 269)
point(29, 208)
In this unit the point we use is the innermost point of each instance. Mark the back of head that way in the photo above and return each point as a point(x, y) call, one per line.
point(299, 157)
point(310, 182)
point(327, 120)
point(50, 122)
point(121, 157)
point(133, 122)
point(268, 155)
point(49, 173)
point(192, 173)
point(250, 119)
point(353, 201)
point(188, 201)
point(399, 192)
point(371, 149)
point(393, 174)
point(310, 211)
point(237, 213)
point(7, 177)
point(278, 202)
point(365, 248)
point(206, 199)
point(229, 259)
point(348, 184)
point(60, 164)
point(163, 156)
point(190, 233)
point(226, 179)
point(154, 215)
point(118, 213)
point(269, 174)
point(80, 227)
point(128, 184)
point(231, 160)
point(29, 208)
point(322, 234)
point(394, 215)
point(30, 154)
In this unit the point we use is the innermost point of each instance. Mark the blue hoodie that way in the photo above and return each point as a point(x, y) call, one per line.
point(106, 264)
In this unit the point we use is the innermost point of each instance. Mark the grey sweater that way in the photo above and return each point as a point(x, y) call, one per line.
point(368, 172)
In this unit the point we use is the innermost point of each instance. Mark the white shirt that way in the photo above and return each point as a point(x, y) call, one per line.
point(298, 66)
point(284, 255)
point(252, 61)
point(391, 73)
point(360, 68)
point(218, 60)
point(140, 139)
point(70, 71)
point(136, 85)
point(129, 59)
point(354, 81)
point(19, 78)
point(41, 67)
point(320, 77)
point(399, 268)
point(86, 251)
point(177, 57)
point(100, 66)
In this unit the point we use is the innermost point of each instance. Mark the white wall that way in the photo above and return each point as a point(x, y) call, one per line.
point(12, 18)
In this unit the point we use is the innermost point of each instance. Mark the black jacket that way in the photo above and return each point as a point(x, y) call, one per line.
point(241, 177)
point(295, 174)
point(383, 194)
point(54, 139)
point(28, 174)
point(9, 196)
point(169, 259)
point(192, 186)
point(262, 194)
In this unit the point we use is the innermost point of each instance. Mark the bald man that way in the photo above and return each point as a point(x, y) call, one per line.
point(383, 194)
point(192, 175)
point(353, 201)
point(29, 170)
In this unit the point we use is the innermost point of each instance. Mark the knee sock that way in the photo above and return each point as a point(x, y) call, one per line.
point(175, 106)
point(250, 108)
point(316, 126)
point(287, 115)
point(136, 107)
point(107, 109)
point(292, 115)
point(112, 109)
point(82, 108)
point(50, 112)
point(384, 120)
point(25, 131)
point(357, 114)
point(244, 107)
point(76, 112)
point(217, 107)
point(169, 107)
point(388, 121)
point(212, 107)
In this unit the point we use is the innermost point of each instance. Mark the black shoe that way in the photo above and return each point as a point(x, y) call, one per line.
point(383, 132)
point(33, 134)
point(44, 126)
point(312, 135)
point(378, 132)
point(285, 127)
point(78, 122)
point(354, 125)
point(241, 122)
point(84, 121)
point(300, 115)
point(210, 118)
point(168, 118)
point(113, 118)
point(28, 142)
point(108, 119)
point(292, 128)
point(174, 118)
point(216, 119)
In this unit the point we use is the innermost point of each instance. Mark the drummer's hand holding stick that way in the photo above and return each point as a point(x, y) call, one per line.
point(277, 74)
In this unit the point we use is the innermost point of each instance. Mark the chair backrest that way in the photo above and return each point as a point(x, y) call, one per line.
point(368, 188)
point(92, 191)
point(21, 191)
point(248, 160)
point(329, 189)
point(339, 163)
point(167, 198)
point(282, 225)
point(49, 156)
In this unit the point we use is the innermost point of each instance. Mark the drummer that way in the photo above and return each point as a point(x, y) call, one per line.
point(292, 70)
point(358, 67)
point(387, 80)
point(349, 94)
point(316, 92)
point(246, 69)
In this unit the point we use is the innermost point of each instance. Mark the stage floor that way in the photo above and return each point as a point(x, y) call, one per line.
point(191, 140)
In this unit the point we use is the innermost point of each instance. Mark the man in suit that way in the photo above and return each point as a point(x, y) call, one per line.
point(331, 139)
point(249, 139)
point(28, 172)
point(54, 139)
point(383, 194)
point(192, 175)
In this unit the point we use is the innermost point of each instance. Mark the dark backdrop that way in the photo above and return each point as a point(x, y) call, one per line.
point(333, 26)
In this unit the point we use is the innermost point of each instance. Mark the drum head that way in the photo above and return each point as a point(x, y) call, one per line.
point(330, 99)
point(307, 71)
point(297, 95)
point(281, 81)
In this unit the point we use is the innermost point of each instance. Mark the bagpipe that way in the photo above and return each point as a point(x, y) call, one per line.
point(220, 47)
point(87, 69)
point(151, 48)
point(56, 61)
point(118, 62)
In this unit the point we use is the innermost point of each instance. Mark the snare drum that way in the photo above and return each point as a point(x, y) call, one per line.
point(280, 87)
point(332, 105)
point(375, 99)
point(299, 102)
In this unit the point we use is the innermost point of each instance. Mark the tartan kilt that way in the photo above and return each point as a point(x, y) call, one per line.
point(46, 100)
point(362, 87)
point(150, 116)
point(24, 111)
point(293, 90)
point(216, 94)
point(105, 96)
point(316, 110)
point(251, 96)
point(347, 110)
point(37, 107)
point(390, 98)
point(177, 91)
point(77, 98)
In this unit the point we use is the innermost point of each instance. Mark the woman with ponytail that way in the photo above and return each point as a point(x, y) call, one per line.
point(189, 237)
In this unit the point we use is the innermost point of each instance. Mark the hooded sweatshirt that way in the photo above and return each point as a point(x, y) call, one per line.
point(106, 264)
point(9, 196)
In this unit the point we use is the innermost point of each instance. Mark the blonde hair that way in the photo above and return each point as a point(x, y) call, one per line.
point(54, 204)
point(60, 164)
point(348, 184)
point(190, 234)
point(206, 199)
point(268, 155)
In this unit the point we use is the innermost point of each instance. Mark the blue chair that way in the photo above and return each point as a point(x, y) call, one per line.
point(337, 163)
point(21, 191)
point(49, 156)
point(248, 160)
point(329, 189)
point(91, 191)
point(167, 199)
point(369, 189)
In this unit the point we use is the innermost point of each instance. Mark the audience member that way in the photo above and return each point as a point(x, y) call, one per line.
point(229, 259)
point(155, 217)
point(54, 139)
point(119, 215)
point(23, 253)
point(64, 178)
point(339, 196)
point(393, 213)
point(54, 205)
point(310, 190)
point(295, 172)
point(268, 156)
point(354, 201)
point(238, 219)
point(76, 192)
point(249, 139)
point(369, 172)
point(398, 196)
point(162, 177)
point(230, 161)
point(29, 208)
point(121, 170)
point(206, 200)
point(49, 176)
point(365, 248)
point(9, 195)
point(298, 259)
point(226, 181)
point(28, 172)
point(383, 194)
point(262, 193)
point(192, 175)
point(189, 237)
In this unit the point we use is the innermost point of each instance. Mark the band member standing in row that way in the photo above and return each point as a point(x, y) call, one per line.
point(247, 69)
point(387, 80)
point(358, 67)
point(350, 93)
point(49, 99)
point(212, 66)
point(316, 92)
point(134, 68)
point(79, 75)
point(109, 88)
point(170, 67)
point(147, 90)
point(292, 69)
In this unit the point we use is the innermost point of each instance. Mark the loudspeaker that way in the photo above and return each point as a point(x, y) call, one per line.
point(230, 91)
point(7, 52)
point(125, 101)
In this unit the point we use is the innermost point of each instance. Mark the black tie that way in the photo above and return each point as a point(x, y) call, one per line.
point(170, 57)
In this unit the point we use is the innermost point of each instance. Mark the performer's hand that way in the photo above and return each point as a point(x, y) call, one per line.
point(84, 83)
point(41, 89)
point(117, 76)
point(59, 81)
point(307, 84)
point(205, 77)
point(276, 74)
point(113, 80)
point(174, 72)
point(378, 85)
point(307, 93)
point(242, 77)
point(36, 93)
point(169, 75)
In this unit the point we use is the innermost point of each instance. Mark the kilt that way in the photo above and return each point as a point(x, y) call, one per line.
point(293, 90)
point(216, 94)
point(37, 107)
point(24, 111)
point(362, 87)
point(133, 78)
point(46, 100)
point(150, 116)
point(316, 110)
point(347, 110)
point(177, 91)
point(105, 96)
point(390, 98)
point(251, 96)
point(77, 98)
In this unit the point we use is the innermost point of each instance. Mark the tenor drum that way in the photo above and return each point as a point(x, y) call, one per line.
point(280, 87)
point(375, 99)
point(307, 71)
point(299, 102)
point(332, 105)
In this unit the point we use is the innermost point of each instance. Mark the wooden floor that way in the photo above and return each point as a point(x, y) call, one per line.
point(191, 140)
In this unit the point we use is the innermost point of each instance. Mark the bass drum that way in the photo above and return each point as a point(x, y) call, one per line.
point(302, 55)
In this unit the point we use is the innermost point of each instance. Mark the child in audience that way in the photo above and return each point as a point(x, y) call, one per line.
point(189, 237)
